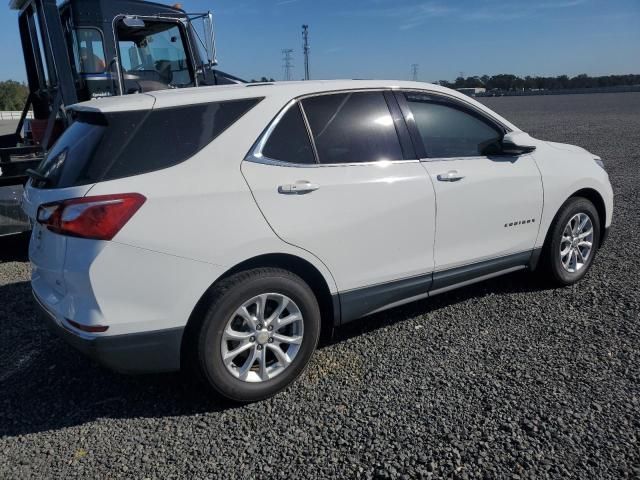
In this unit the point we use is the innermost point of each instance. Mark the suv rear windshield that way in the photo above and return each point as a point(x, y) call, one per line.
point(99, 147)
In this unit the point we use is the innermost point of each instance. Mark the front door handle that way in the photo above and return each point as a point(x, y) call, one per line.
point(450, 176)
point(300, 187)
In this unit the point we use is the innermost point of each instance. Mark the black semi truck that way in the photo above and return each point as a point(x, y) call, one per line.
point(84, 49)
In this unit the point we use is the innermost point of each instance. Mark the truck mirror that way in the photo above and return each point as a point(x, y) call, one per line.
point(210, 39)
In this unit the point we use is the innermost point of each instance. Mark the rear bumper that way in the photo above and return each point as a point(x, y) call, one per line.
point(145, 352)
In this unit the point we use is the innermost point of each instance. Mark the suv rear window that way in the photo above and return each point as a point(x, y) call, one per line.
point(99, 147)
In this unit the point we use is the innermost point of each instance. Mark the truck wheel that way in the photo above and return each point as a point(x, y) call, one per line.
point(572, 242)
point(258, 334)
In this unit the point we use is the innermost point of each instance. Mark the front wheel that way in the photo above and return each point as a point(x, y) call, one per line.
point(259, 333)
point(573, 241)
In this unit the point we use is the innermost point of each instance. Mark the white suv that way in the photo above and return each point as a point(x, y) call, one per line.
point(223, 228)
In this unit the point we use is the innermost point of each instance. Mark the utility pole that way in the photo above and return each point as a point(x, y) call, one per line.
point(287, 62)
point(414, 72)
point(305, 49)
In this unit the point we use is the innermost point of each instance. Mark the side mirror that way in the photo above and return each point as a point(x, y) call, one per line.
point(517, 143)
point(210, 39)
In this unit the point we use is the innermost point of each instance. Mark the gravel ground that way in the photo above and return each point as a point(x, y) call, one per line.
point(505, 379)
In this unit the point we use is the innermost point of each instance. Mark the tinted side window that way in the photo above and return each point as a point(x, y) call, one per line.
point(100, 147)
point(450, 132)
point(289, 141)
point(171, 135)
point(352, 127)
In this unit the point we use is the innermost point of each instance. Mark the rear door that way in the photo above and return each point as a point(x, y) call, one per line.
point(330, 176)
point(489, 206)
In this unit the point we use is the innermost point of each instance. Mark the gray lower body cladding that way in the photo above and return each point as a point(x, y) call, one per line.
point(360, 302)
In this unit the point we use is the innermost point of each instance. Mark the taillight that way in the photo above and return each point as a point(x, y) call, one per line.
point(100, 217)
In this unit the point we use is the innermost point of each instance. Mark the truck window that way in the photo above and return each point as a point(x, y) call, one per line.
point(89, 56)
point(154, 57)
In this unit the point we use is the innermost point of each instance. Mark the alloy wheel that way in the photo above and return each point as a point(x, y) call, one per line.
point(576, 244)
point(262, 337)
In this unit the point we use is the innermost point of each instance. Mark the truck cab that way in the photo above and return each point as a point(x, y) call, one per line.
point(85, 49)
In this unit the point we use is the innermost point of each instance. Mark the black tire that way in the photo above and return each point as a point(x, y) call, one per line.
point(225, 299)
point(554, 269)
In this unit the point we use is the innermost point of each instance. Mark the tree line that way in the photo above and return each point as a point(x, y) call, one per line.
point(13, 95)
point(506, 81)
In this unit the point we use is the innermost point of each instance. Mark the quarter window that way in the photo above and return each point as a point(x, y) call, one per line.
point(352, 127)
point(99, 147)
point(448, 131)
point(289, 141)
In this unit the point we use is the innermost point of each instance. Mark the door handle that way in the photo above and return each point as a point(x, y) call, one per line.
point(300, 187)
point(450, 176)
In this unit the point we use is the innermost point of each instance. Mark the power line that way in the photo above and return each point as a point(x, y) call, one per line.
point(287, 62)
point(305, 50)
point(414, 72)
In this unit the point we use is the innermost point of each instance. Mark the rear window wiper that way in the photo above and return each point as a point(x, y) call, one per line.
point(38, 176)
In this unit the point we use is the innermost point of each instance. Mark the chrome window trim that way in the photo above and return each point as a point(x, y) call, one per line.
point(255, 154)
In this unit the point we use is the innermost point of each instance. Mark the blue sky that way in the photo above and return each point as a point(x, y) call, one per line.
point(382, 38)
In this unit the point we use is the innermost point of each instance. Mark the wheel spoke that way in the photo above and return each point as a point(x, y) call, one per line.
point(230, 334)
point(585, 234)
point(262, 359)
point(278, 311)
point(248, 363)
point(584, 243)
point(231, 354)
point(583, 223)
point(283, 322)
point(283, 358)
point(564, 251)
point(243, 313)
point(261, 303)
point(294, 339)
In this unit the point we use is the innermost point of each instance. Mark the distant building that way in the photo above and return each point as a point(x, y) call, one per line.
point(472, 92)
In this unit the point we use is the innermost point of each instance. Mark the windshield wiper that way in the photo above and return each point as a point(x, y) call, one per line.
point(37, 176)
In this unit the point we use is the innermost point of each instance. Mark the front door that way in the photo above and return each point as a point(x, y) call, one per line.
point(488, 207)
point(332, 178)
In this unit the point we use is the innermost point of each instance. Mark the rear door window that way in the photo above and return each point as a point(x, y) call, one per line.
point(99, 147)
point(352, 127)
point(289, 141)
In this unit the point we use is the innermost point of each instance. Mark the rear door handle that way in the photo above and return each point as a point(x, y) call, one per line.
point(450, 176)
point(301, 186)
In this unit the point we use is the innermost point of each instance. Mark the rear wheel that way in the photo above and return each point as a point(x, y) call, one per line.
point(258, 334)
point(573, 241)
